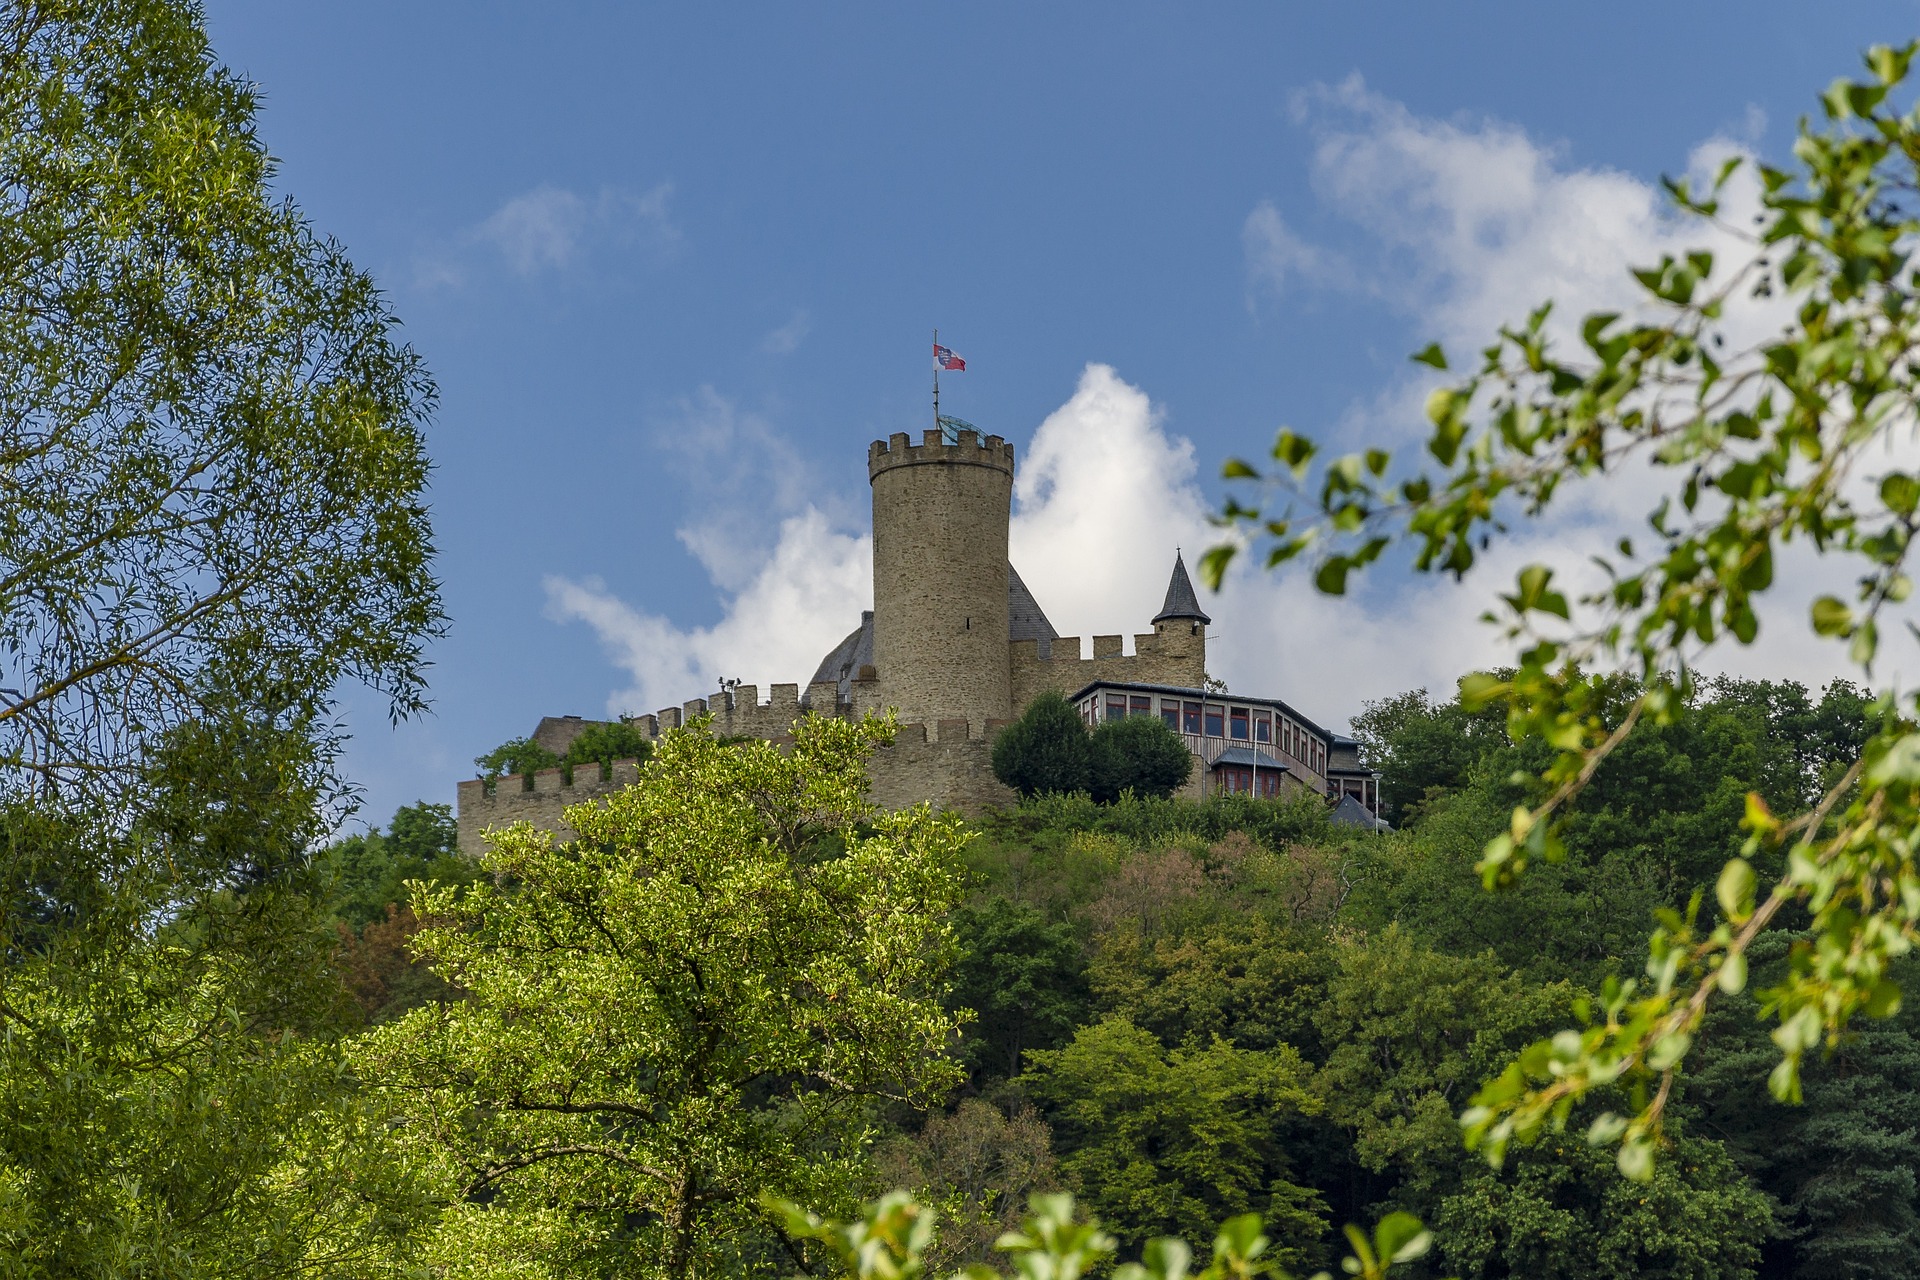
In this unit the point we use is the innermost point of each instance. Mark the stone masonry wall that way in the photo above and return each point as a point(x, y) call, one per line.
point(942, 763)
point(940, 516)
point(1173, 656)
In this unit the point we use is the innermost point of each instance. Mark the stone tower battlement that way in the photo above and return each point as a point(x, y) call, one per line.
point(897, 450)
point(940, 518)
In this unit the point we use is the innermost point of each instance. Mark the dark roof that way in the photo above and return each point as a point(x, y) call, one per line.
point(1351, 813)
point(1026, 620)
point(1181, 602)
point(1248, 756)
point(844, 663)
point(1198, 695)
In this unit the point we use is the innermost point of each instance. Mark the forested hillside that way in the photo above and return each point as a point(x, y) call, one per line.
point(1182, 1012)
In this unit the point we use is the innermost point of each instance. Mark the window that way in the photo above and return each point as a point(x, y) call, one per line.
point(1142, 705)
point(1116, 707)
point(1262, 727)
point(1216, 721)
point(1190, 718)
point(1170, 712)
point(1238, 723)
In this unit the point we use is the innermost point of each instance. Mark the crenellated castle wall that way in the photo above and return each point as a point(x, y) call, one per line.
point(942, 763)
point(1174, 654)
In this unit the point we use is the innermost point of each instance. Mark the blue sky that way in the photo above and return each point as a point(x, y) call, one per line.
point(673, 268)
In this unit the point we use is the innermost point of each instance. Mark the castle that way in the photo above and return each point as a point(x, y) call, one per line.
point(957, 645)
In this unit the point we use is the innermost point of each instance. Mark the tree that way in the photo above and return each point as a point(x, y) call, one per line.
point(1045, 750)
point(370, 871)
point(599, 743)
point(210, 435)
point(1755, 444)
point(516, 755)
point(1022, 976)
point(605, 743)
point(1163, 1141)
point(1421, 747)
point(172, 1100)
point(1138, 754)
point(212, 516)
point(691, 1005)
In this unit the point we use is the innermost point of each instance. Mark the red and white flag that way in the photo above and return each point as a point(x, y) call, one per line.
point(944, 357)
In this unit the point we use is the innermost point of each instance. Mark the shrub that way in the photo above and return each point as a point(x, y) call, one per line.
point(1045, 751)
point(1141, 754)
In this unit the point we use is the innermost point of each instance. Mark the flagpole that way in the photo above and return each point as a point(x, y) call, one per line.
point(936, 380)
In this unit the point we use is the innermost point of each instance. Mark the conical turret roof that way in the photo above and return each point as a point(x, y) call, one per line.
point(1181, 602)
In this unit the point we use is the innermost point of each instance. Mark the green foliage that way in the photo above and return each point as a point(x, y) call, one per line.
point(1045, 751)
point(978, 1167)
point(605, 743)
point(516, 755)
point(690, 1006)
point(892, 1237)
point(1564, 1211)
point(1421, 747)
point(1161, 1141)
point(171, 1101)
point(599, 743)
point(370, 871)
point(1048, 751)
point(1411, 1033)
point(1754, 444)
point(1138, 754)
point(1023, 977)
point(1145, 820)
point(1245, 979)
point(213, 451)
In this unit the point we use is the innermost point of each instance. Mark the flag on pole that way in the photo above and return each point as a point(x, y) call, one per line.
point(944, 357)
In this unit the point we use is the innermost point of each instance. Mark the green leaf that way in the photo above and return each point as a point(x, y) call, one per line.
point(1235, 469)
point(1431, 354)
point(1831, 617)
point(1332, 576)
point(1480, 688)
point(1293, 451)
point(1731, 976)
point(1636, 1159)
point(1401, 1237)
point(1213, 565)
point(1735, 889)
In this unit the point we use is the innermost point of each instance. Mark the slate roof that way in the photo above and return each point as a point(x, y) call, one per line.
point(1181, 602)
point(844, 663)
point(1249, 756)
point(1026, 620)
point(1351, 813)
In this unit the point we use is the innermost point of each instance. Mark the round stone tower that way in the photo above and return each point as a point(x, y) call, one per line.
point(940, 647)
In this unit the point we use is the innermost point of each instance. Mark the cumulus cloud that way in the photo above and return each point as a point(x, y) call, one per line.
point(549, 229)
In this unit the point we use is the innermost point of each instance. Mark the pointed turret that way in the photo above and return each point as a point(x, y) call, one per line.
point(1181, 602)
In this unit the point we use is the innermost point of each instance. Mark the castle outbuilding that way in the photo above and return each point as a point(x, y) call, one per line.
point(957, 646)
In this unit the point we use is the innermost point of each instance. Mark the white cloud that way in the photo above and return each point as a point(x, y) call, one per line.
point(551, 228)
point(787, 338)
point(1276, 257)
point(777, 624)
